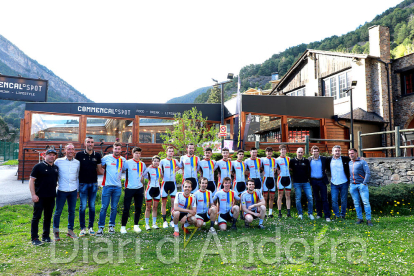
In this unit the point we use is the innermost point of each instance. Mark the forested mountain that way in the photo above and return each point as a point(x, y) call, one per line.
point(190, 97)
point(14, 62)
point(399, 19)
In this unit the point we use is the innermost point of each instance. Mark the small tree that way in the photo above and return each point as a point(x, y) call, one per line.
point(215, 95)
point(190, 127)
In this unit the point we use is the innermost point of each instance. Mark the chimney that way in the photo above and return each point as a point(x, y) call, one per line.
point(379, 42)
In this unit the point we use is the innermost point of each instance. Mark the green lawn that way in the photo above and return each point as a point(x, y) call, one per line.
point(10, 162)
point(304, 246)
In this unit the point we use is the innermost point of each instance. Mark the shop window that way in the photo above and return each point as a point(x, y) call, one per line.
point(109, 130)
point(264, 129)
point(150, 130)
point(299, 128)
point(47, 127)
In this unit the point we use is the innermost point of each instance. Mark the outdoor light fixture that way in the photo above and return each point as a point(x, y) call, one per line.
point(349, 90)
point(353, 84)
point(214, 80)
point(230, 76)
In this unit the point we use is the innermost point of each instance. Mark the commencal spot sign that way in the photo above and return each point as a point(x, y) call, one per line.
point(23, 89)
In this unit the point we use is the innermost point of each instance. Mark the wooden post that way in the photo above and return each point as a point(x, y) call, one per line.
point(135, 132)
point(27, 125)
point(307, 144)
point(397, 141)
point(359, 144)
point(284, 127)
point(21, 139)
point(82, 129)
point(231, 128)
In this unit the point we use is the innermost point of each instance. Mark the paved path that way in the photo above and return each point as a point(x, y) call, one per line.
point(12, 191)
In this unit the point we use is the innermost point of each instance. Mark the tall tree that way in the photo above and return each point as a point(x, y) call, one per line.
point(215, 95)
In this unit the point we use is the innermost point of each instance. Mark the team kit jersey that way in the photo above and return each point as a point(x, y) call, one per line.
point(284, 176)
point(248, 199)
point(239, 169)
point(168, 185)
point(254, 166)
point(204, 200)
point(135, 171)
point(185, 202)
point(113, 170)
point(226, 201)
point(154, 176)
point(224, 169)
point(269, 182)
point(190, 166)
point(207, 168)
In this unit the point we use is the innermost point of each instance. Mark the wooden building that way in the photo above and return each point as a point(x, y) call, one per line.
point(274, 119)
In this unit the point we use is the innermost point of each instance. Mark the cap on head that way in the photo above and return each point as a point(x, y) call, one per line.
point(51, 151)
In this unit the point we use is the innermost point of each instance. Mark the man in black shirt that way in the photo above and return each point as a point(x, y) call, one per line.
point(42, 184)
point(90, 164)
point(300, 173)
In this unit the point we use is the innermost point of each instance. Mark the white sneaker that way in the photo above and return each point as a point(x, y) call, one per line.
point(154, 226)
point(147, 227)
point(137, 229)
point(123, 230)
point(212, 230)
point(300, 216)
point(204, 224)
point(328, 219)
point(172, 223)
point(165, 224)
point(318, 217)
point(91, 232)
point(311, 217)
point(82, 233)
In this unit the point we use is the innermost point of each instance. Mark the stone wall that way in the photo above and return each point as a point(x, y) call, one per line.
point(386, 171)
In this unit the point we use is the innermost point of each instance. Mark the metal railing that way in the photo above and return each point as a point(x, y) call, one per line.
point(397, 142)
point(8, 151)
point(306, 143)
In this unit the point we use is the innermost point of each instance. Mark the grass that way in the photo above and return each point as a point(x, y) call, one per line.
point(10, 162)
point(316, 247)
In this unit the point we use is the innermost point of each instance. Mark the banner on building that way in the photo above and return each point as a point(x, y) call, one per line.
point(23, 89)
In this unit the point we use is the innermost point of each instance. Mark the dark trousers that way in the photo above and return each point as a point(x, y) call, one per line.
point(138, 195)
point(320, 193)
point(46, 205)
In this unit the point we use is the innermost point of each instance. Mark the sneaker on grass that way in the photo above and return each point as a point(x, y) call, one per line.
point(100, 232)
point(147, 227)
point(137, 229)
point(36, 242)
point(71, 234)
point(165, 225)
point(82, 233)
point(123, 230)
point(111, 230)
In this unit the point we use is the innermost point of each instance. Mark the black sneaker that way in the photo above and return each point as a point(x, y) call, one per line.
point(46, 239)
point(289, 216)
point(261, 226)
point(233, 227)
point(359, 221)
point(279, 216)
point(369, 223)
point(271, 216)
point(36, 242)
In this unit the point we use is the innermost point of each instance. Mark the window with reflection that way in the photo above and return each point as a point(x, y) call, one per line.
point(46, 127)
point(299, 128)
point(109, 130)
point(264, 129)
point(150, 130)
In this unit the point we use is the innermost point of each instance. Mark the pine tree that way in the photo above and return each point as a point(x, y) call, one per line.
point(215, 95)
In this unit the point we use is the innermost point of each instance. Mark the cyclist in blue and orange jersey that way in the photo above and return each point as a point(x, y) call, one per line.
point(206, 210)
point(185, 209)
point(114, 166)
point(224, 166)
point(240, 171)
point(207, 167)
point(190, 165)
point(254, 165)
point(134, 188)
point(228, 211)
point(269, 181)
point(153, 191)
point(284, 182)
point(169, 166)
point(253, 205)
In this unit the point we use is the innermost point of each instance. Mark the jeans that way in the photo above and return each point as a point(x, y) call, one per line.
point(61, 198)
point(110, 194)
point(320, 192)
point(358, 190)
point(298, 196)
point(46, 205)
point(335, 190)
point(138, 196)
point(87, 194)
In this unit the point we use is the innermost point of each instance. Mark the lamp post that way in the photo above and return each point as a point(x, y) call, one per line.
point(349, 90)
point(229, 79)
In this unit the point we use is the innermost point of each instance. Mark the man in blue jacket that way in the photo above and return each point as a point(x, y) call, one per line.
point(359, 178)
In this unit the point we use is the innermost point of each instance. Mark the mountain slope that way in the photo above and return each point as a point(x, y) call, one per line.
point(190, 97)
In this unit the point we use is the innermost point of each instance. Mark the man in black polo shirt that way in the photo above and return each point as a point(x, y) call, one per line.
point(300, 173)
point(90, 163)
point(42, 184)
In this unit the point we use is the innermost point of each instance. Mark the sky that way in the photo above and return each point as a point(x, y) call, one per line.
point(152, 51)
